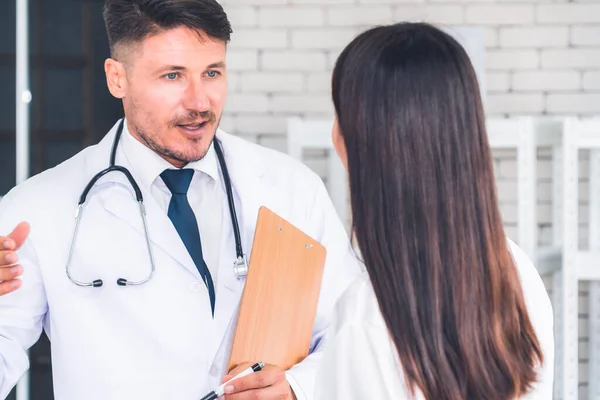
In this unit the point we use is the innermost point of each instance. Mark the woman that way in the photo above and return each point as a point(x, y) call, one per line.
point(449, 308)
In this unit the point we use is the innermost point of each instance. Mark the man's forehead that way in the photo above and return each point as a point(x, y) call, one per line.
point(181, 38)
point(184, 47)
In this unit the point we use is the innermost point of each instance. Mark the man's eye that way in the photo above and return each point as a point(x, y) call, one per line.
point(171, 76)
point(212, 74)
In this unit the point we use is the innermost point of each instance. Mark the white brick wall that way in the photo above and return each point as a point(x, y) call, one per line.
point(242, 60)
point(555, 36)
point(542, 57)
point(573, 103)
point(322, 38)
point(443, 13)
point(515, 103)
point(568, 13)
point(499, 14)
point(273, 82)
point(282, 16)
point(259, 38)
point(359, 15)
point(575, 58)
point(546, 80)
point(585, 35)
point(498, 81)
point(591, 80)
point(293, 60)
point(510, 60)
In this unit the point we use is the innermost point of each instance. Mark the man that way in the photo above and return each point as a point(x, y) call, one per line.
point(167, 335)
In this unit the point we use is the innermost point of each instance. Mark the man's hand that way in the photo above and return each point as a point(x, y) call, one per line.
point(9, 269)
point(269, 383)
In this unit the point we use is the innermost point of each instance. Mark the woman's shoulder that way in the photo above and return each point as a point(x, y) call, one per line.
point(360, 360)
point(358, 305)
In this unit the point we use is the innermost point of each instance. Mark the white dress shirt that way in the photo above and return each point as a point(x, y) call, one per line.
point(361, 362)
point(206, 194)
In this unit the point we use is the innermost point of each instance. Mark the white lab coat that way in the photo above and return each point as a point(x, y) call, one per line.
point(158, 340)
point(360, 360)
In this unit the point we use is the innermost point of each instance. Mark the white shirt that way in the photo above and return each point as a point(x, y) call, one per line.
point(361, 362)
point(206, 193)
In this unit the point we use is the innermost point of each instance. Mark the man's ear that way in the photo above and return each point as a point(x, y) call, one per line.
point(116, 78)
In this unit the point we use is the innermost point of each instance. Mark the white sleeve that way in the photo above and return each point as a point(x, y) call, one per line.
point(21, 311)
point(543, 388)
point(359, 364)
point(542, 318)
point(541, 315)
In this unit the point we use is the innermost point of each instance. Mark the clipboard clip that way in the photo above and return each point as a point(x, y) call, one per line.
point(240, 267)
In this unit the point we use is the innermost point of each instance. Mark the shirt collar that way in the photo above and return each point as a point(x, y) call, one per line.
point(148, 165)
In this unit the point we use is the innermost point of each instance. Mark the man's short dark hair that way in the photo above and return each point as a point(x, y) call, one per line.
point(132, 21)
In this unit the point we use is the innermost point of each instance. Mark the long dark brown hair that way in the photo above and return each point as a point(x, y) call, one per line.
point(425, 214)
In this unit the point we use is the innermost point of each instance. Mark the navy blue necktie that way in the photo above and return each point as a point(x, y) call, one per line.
point(183, 218)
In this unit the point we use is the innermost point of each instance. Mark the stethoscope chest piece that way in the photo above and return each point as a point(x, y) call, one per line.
point(240, 267)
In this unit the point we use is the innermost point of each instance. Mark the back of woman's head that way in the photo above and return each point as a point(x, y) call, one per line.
point(425, 214)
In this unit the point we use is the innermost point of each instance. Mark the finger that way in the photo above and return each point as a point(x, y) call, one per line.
point(8, 258)
point(16, 238)
point(261, 379)
point(270, 392)
point(9, 286)
point(236, 370)
point(7, 274)
point(239, 368)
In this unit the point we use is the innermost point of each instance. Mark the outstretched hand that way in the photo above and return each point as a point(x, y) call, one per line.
point(9, 269)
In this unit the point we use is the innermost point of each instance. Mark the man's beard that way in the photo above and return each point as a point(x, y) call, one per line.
point(172, 154)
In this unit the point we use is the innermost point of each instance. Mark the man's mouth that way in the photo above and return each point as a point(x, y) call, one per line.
point(194, 126)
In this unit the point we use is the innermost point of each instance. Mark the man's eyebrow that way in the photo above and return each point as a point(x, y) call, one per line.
point(171, 68)
point(219, 64)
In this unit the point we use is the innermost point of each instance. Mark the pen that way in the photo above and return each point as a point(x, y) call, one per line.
point(220, 391)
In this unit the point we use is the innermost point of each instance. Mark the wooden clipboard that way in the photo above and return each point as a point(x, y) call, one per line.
point(279, 301)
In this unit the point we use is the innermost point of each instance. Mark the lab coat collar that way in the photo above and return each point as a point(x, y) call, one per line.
point(147, 165)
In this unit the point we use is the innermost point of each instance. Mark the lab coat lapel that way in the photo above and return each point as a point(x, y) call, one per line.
point(161, 231)
point(119, 203)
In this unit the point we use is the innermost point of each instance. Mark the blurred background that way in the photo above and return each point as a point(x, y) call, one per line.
point(538, 63)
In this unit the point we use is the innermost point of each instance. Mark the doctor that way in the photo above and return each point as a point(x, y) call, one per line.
point(139, 295)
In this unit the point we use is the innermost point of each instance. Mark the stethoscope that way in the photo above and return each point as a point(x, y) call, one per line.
point(240, 265)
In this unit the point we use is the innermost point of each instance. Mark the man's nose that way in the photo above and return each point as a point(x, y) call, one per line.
point(196, 97)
